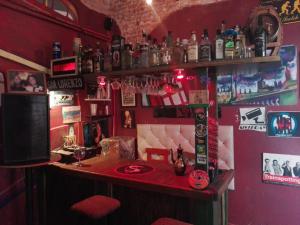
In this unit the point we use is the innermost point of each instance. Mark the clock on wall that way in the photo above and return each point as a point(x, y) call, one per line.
point(272, 25)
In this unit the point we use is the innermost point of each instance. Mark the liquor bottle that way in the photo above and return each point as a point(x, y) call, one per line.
point(229, 45)
point(239, 44)
point(165, 53)
point(97, 59)
point(223, 27)
point(192, 49)
point(260, 39)
point(219, 48)
point(107, 59)
point(205, 47)
point(154, 53)
point(185, 50)
point(89, 61)
point(83, 60)
point(116, 48)
point(177, 52)
point(79, 59)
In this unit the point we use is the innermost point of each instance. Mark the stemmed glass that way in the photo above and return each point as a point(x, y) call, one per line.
point(79, 154)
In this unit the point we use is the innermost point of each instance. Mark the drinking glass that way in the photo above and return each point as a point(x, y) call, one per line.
point(79, 154)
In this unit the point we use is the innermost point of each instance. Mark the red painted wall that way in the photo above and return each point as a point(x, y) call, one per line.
point(30, 34)
point(253, 202)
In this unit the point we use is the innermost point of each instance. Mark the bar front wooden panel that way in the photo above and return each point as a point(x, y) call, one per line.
point(144, 197)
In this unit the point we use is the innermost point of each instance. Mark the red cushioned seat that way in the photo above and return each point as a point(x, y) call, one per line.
point(169, 221)
point(96, 207)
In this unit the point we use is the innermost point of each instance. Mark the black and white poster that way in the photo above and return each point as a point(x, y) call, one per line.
point(253, 119)
point(281, 169)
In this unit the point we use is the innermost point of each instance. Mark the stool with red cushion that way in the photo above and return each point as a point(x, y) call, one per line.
point(169, 221)
point(95, 208)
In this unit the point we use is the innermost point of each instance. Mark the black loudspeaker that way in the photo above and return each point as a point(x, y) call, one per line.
point(24, 129)
point(108, 23)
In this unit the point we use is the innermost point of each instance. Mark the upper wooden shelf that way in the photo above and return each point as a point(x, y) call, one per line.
point(91, 78)
point(215, 63)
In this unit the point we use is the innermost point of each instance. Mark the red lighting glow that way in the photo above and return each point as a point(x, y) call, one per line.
point(101, 80)
point(179, 74)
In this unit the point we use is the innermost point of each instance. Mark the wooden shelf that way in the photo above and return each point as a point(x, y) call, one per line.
point(97, 100)
point(215, 63)
point(91, 78)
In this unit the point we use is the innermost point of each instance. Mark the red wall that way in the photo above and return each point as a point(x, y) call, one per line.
point(30, 34)
point(253, 202)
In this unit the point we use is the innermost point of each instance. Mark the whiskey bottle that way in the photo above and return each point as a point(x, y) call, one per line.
point(97, 59)
point(219, 48)
point(192, 49)
point(205, 47)
point(260, 39)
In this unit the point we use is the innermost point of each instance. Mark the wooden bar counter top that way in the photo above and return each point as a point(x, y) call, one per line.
point(161, 179)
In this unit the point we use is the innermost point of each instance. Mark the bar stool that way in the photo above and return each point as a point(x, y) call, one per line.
point(95, 208)
point(169, 221)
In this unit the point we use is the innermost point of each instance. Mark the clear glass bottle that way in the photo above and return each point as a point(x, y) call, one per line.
point(97, 59)
point(192, 49)
point(127, 57)
point(205, 47)
point(219, 46)
point(107, 59)
point(89, 61)
point(177, 52)
point(165, 54)
point(154, 54)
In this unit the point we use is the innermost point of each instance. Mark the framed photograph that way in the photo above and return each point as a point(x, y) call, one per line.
point(198, 97)
point(128, 99)
point(128, 118)
point(281, 169)
point(71, 114)
point(283, 124)
point(18, 81)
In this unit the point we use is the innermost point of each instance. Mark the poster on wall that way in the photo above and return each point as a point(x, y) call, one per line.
point(71, 114)
point(281, 169)
point(283, 124)
point(61, 98)
point(270, 85)
point(253, 119)
point(288, 10)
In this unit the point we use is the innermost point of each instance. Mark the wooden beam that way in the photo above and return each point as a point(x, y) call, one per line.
point(18, 59)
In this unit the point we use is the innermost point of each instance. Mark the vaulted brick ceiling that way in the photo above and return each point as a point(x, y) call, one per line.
point(132, 16)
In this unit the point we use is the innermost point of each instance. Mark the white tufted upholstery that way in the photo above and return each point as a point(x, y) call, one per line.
point(170, 136)
point(226, 150)
point(164, 136)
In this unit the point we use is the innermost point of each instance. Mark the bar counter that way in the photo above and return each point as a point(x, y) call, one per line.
point(161, 179)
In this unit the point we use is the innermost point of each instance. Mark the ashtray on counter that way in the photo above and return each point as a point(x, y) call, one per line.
point(134, 169)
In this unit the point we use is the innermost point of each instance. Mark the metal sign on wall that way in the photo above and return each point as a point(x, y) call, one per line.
point(288, 10)
point(66, 83)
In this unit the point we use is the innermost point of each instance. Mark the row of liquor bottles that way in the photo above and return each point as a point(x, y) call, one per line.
point(228, 44)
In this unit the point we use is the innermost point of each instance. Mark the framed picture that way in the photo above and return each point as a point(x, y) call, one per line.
point(128, 98)
point(281, 169)
point(25, 82)
point(71, 114)
point(128, 118)
point(283, 124)
point(198, 97)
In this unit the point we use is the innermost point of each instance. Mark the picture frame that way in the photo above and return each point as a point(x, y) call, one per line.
point(281, 169)
point(128, 99)
point(25, 82)
point(128, 119)
point(71, 114)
